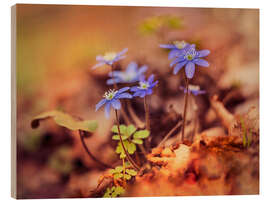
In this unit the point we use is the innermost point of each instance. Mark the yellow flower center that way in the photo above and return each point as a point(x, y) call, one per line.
point(189, 57)
point(144, 85)
point(109, 56)
point(109, 95)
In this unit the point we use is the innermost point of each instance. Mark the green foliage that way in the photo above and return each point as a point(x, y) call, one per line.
point(118, 172)
point(154, 24)
point(114, 191)
point(130, 137)
point(66, 121)
point(129, 146)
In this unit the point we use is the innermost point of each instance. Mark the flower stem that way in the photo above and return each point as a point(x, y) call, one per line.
point(82, 136)
point(124, 171)
point(121, 141)
point(185, 111)
point(147, 116)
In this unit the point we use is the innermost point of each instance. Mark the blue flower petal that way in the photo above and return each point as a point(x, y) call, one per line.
point(153, 84)
point(149, 91)
point(100, 58)
point(99, 104)
point(203, 53)
point(122, 90)
point(167, 46)
point(174, 53)
point(107, 109)
point(178, 67)
point(201, 62)
point(124, 96)
point(132, 67)
point(178, 60)
point(98, 65)
point(142, 94)
point(116, 104)
point(143, 69)
point(136, 94)
point(115, 73)
point(112, 81)
point(190, 70)
point(151, 78)
point(134, 89)
point(122, 52)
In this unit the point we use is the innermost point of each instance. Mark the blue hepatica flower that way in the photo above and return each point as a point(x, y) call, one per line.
point(132, 74)
point(189, 57)
point(175, 48)
point(112, 99)
point(145, 87)
point(109, 58)
point(193, 89)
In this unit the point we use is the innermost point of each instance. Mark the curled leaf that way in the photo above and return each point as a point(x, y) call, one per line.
point(65, 120)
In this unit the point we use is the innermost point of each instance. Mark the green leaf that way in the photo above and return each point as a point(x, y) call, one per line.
point(123, 129)
point(65, 120)
point(137, 141)
point(119, 190)
point(117, 137)
point(112, 171)
point(131, 148)
point(131, 172)
point(142, 134)
point(118, 175)
point(131, 129)
point(127, 176)
point(119, 169)
point(120, 150)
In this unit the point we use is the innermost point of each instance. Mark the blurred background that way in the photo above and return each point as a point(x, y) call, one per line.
point(56, 48)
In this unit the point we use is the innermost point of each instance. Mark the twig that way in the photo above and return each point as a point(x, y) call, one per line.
point(185, 111)
point(82, 136)
point(170, 133)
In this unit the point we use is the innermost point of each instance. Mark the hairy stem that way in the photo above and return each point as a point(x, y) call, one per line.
point(147, 116)
point(121, 141)
point(82, 136)
point(185, 111)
